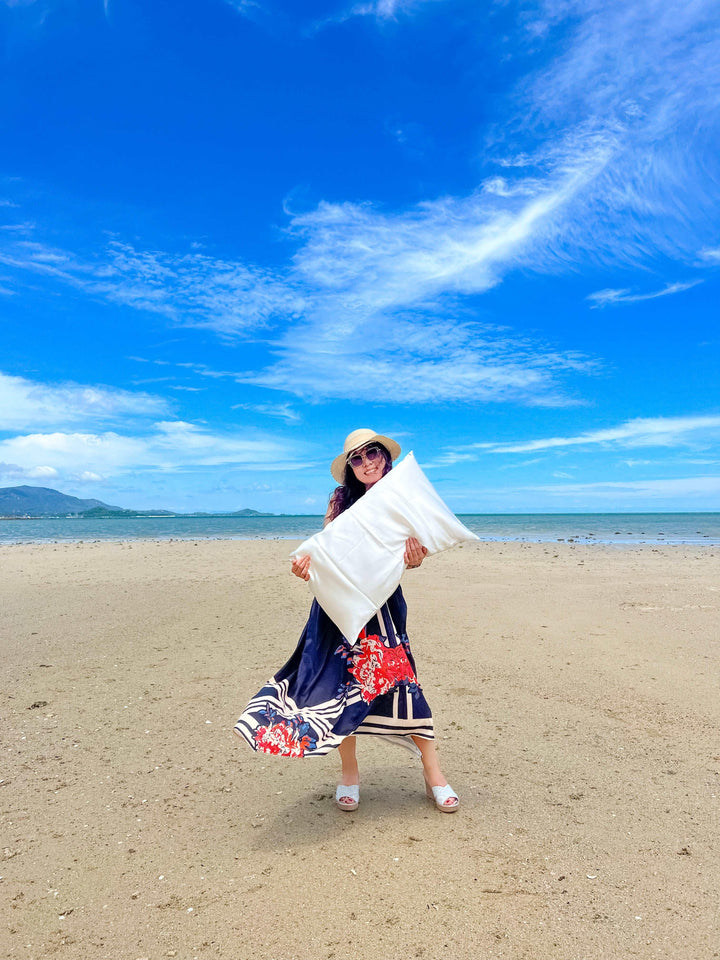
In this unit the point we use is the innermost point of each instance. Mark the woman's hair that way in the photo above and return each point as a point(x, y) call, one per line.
point(352, 489)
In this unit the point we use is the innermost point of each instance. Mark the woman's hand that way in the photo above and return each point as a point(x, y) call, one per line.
point(415, 552)
point(301, 567)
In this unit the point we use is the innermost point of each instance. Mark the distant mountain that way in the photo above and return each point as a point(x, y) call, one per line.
point(43, 502)
point(104, 512)
point(236, 513)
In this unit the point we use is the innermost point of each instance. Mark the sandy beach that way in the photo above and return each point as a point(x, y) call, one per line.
point(576, 700)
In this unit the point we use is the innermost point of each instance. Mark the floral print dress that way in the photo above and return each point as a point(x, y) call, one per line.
point(330, 689)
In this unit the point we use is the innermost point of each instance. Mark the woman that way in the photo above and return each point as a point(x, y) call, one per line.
point(330, 691)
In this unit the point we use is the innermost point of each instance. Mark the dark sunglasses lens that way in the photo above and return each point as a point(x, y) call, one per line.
point(371, 454)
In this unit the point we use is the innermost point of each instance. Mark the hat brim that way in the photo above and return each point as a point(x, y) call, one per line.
point(337, 467)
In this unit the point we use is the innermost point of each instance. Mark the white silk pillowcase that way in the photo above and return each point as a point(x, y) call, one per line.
point(356, 562)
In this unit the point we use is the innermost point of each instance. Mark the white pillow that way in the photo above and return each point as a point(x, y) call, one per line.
point(357, 560)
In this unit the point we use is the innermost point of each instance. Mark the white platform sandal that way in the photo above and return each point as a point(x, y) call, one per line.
point(440, 796)
point(347, 796)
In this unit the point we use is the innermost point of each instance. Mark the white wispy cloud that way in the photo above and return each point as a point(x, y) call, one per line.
point(382, 10)
point(386, 311)
point(27, 403)
point(189, 289)
point(640, 75)
point(281, 411)
point(169, 446)
point(12, 473)
point(401, 361)
point(21, 228)
point(242, 5)
point(678, 488)
point(446, 246)
point(640, 432)
point(602, 298)
point(250, 9)
point(197, 289)
point(388, 9)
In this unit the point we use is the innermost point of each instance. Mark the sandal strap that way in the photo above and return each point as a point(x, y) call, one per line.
point(350, 790)
point(443, 794)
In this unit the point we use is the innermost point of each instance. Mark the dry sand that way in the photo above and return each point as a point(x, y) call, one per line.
point(575, 692)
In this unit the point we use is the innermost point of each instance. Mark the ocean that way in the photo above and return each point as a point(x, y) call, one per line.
point(607, 528)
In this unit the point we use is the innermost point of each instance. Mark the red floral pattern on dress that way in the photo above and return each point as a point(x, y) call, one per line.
point(378, 668)
point(279, 740)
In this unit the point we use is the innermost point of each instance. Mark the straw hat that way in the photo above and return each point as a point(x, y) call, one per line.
point(355, 440)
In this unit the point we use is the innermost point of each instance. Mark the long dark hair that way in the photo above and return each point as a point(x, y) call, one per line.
point(352, 489)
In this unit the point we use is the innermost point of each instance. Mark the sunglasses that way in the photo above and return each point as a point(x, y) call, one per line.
point(371, 455)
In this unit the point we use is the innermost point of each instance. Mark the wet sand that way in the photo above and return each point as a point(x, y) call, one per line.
point(576, 699)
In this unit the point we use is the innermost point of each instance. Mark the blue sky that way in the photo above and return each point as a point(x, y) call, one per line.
point(233, 231)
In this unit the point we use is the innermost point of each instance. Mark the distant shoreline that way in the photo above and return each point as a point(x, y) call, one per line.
point(285, 516)
point(688, 529)
point(162, 516)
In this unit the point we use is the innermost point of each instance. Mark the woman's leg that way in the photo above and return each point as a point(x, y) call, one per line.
point(432, 772)
point(430, 762)
point(431, 769)
point(350, 773)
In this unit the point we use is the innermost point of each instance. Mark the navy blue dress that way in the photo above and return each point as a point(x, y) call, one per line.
point(330, 689)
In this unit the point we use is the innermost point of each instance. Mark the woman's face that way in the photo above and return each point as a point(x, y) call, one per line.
point(370, 470)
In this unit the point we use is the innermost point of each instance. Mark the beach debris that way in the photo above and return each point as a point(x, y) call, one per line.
point(592, 876)
point(38, 704)
point(353, 871)
point(684, 852)
point(432, 906)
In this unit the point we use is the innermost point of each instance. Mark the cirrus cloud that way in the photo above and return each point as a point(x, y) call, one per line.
point(640, 432)
point(26, 403)
point(169, 446)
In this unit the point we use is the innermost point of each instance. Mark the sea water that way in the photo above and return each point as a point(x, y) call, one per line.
point(618, 528)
